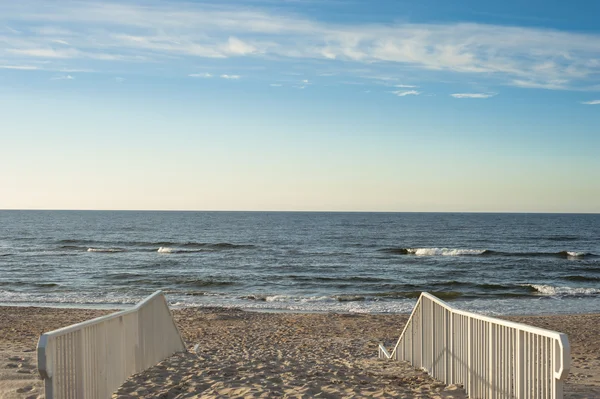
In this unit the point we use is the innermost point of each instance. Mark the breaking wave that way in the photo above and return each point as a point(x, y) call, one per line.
point(434, 251)
point(483, 252)
point(564, 291)
point(110, 250)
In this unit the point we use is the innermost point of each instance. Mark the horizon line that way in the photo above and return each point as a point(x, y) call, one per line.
point(296, 211)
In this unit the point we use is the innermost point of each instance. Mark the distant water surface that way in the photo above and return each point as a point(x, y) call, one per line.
point(343, 262)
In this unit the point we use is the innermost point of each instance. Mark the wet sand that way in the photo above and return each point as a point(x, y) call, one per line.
point(247, 354)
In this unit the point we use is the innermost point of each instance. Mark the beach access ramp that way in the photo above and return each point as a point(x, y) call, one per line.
point(90, 360)
point(491, 358)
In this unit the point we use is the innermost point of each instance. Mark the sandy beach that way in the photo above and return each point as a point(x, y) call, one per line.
point(247, 354)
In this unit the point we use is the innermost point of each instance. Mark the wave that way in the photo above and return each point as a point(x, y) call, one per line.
point(562, 238)
point(303, 299)
point(109, 250)
point(78, 244)
point(415, 294)
point(195, 282)
point(483, 252)
point(564, 291)
point(169, 250)
point(581, 278)
point(359, 279)
point(434, 251)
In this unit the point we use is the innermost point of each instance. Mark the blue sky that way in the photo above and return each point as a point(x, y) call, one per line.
point(300, 105)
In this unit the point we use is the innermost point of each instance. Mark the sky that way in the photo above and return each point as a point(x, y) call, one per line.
point(300, 105)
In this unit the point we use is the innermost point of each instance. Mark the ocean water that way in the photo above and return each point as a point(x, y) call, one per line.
point(307, 262)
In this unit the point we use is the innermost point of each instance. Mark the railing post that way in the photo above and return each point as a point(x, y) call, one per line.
point(433, 326)
point(557, 386)
point(422, 330)
point(450, 351)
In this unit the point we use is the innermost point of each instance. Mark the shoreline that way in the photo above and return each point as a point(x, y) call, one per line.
point(253, 353)
point(216, 308)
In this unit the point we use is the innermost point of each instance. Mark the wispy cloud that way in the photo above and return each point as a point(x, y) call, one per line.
point(526, 57)
point(405, 86)
point(20, 67)
point(200, 75)
point(119, 79)
point(232, 77)
point(593, 102)
point(63, 77)
point(553, 84)
point(275, 85)
point(473, 95)
point(401, 93)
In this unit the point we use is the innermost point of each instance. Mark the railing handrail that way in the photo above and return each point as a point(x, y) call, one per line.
point(518, 326)
point(45, 348)
point(436, 335)
point(73, 327)
point(561, 338)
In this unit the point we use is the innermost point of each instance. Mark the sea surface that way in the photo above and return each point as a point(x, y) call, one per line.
point(306, 262)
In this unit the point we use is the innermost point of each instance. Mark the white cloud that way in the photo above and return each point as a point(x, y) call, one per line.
point(233, 77)
point(119, 79)
point(473, 95)
point(406, 86)
point(200, 75)
point(593, 102)
point(401, 93)
point(45, 52)
point(166, 31)
point(305, 81)
point(236, 46)
point(553, 84)
point(275, 85)
point(63, 77)
point(20, 67)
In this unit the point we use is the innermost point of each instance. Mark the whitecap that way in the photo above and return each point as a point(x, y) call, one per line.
point(444, 251)
point(564, 291)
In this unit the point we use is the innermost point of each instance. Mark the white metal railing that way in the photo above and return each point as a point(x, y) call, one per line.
point(92, 359)
point(491, 358)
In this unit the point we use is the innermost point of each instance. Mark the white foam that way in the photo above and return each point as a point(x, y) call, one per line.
point(575, 254)
point(165, 250)
point(564, 291)
point(104, 250)
point(444, 251)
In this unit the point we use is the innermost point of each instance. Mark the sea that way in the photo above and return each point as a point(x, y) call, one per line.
point(496, 264)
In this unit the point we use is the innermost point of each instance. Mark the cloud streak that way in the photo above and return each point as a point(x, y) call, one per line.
point(63, 77)
point(160, 32)
point(400, 93)
point(593, 102)
point(20, 67)
point(473, 95)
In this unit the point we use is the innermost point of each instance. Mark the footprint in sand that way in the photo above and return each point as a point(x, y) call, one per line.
point(26, 389)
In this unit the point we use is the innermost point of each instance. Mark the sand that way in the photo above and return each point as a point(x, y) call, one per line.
point(247, 354)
